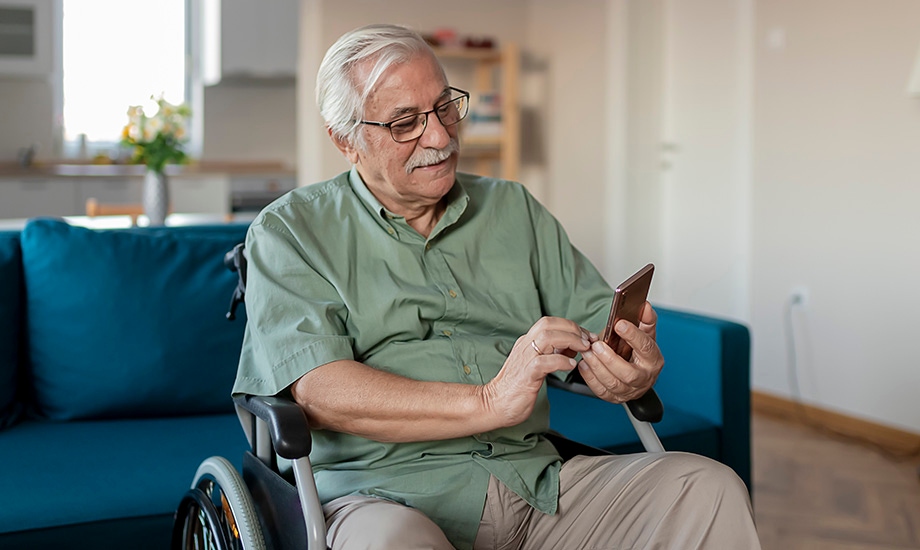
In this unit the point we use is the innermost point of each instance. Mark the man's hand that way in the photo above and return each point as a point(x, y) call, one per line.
point(616, 380)
point(548, 346)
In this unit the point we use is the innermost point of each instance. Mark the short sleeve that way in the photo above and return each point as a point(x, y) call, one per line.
point(295, 317)
point(570, 286)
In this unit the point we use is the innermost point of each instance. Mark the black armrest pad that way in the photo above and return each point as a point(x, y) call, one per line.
point(287, 423)
point(647, 408)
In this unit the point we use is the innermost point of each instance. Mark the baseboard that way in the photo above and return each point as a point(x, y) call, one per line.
point(893, 439)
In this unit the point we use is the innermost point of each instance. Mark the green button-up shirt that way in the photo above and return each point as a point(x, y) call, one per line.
point(333, 275)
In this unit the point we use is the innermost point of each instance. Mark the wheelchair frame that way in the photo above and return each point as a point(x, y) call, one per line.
point(265, 508)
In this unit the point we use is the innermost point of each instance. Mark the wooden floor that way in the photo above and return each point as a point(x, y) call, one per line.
point(815, 491)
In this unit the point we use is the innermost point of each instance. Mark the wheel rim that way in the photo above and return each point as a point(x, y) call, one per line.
point(202, 526)
point(217, 499)
point(217, 512)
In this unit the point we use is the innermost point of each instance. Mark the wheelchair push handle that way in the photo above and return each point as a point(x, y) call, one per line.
point(235, 260)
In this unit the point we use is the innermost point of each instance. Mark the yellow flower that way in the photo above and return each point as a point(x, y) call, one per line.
point(142, 132)
point(148, 133)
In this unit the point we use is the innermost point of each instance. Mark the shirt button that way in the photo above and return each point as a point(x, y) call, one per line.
point(390, 230)
point(446, 332)
point(427, 246)
point(467, 369)
point(452, 293)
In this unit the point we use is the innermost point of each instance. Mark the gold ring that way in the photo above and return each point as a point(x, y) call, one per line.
point(533, 344)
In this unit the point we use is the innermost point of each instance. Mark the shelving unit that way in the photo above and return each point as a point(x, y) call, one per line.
point(494, 70)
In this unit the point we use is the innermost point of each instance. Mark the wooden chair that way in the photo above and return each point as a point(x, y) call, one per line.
point(95, 208)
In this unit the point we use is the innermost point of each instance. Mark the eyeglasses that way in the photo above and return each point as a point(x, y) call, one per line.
point(412, 127)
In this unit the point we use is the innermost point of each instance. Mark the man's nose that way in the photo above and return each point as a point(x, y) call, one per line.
point(435, 135)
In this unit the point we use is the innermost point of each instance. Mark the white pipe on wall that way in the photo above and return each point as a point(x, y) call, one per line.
point(913, 85)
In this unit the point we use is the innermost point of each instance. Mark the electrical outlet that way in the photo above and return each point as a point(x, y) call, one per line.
point(798, 296)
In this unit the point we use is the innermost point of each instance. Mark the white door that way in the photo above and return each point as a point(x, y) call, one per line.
point(688, 185)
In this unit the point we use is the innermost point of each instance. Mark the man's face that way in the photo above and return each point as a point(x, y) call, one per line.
point(401, 175)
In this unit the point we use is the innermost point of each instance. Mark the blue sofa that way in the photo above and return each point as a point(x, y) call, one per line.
point(116, 364)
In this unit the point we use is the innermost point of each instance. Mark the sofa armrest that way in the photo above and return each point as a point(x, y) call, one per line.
point(707, 364)
point(287, 423)
point(707, 373)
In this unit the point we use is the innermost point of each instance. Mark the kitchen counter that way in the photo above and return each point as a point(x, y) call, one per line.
point(205, 168)
point(63, 189)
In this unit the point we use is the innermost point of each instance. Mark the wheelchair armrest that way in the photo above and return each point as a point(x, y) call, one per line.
point(287, 423)
point(647, 408)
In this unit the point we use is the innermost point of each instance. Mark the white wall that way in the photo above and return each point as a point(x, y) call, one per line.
point(836, 191)
point(645, 157)
point(575, 108)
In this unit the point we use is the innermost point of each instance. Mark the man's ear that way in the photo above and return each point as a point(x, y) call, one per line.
point(344, 146)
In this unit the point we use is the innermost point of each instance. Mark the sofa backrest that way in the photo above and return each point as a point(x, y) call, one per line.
point(10, 325)
point(129, 323)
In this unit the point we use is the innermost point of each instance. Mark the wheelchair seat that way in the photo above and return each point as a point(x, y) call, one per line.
point(272, 506)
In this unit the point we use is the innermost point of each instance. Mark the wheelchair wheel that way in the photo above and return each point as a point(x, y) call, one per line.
point(217, 513)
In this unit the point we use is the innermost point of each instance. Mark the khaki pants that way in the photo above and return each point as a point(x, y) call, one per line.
point(620, 502)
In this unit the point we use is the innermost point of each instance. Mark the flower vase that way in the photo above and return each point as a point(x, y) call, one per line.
point(156, 197)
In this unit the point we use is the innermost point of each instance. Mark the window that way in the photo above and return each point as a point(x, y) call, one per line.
point(117, 53)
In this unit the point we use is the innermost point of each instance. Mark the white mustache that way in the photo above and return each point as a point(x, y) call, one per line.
point(429, 156)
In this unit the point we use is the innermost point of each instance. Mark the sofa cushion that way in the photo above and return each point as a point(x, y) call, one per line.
point(129, 323)
point(10, 323)
point(64, 473)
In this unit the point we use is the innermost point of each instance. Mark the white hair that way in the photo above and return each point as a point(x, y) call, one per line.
point(339, 96)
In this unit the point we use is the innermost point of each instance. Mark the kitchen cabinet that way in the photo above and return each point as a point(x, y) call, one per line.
point(108, 190)
point(26, 37)
point(246, 41)
point(252, 193)
point(200, 194)
point(31, 197)
point(494, 145)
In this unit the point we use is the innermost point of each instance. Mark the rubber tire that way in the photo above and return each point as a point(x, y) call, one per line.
point(241, 504)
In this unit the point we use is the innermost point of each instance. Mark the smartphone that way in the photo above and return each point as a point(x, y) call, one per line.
point(628, 301)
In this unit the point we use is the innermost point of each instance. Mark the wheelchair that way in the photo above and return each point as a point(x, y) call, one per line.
point(273, 504)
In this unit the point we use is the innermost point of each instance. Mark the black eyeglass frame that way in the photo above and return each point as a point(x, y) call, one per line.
point(389, 125)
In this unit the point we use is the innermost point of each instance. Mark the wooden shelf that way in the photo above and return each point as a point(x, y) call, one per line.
point(486, 55)
point(494, 70)
point(482, 142)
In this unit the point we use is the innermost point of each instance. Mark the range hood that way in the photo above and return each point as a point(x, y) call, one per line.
point(249, 43)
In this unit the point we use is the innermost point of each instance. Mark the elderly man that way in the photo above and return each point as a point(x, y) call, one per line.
point(414, 313)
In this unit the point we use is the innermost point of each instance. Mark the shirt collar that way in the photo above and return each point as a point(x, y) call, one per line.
point(457, 200)
point(354, 178)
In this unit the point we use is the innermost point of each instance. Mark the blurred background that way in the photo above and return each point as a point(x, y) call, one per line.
point(764, 154)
